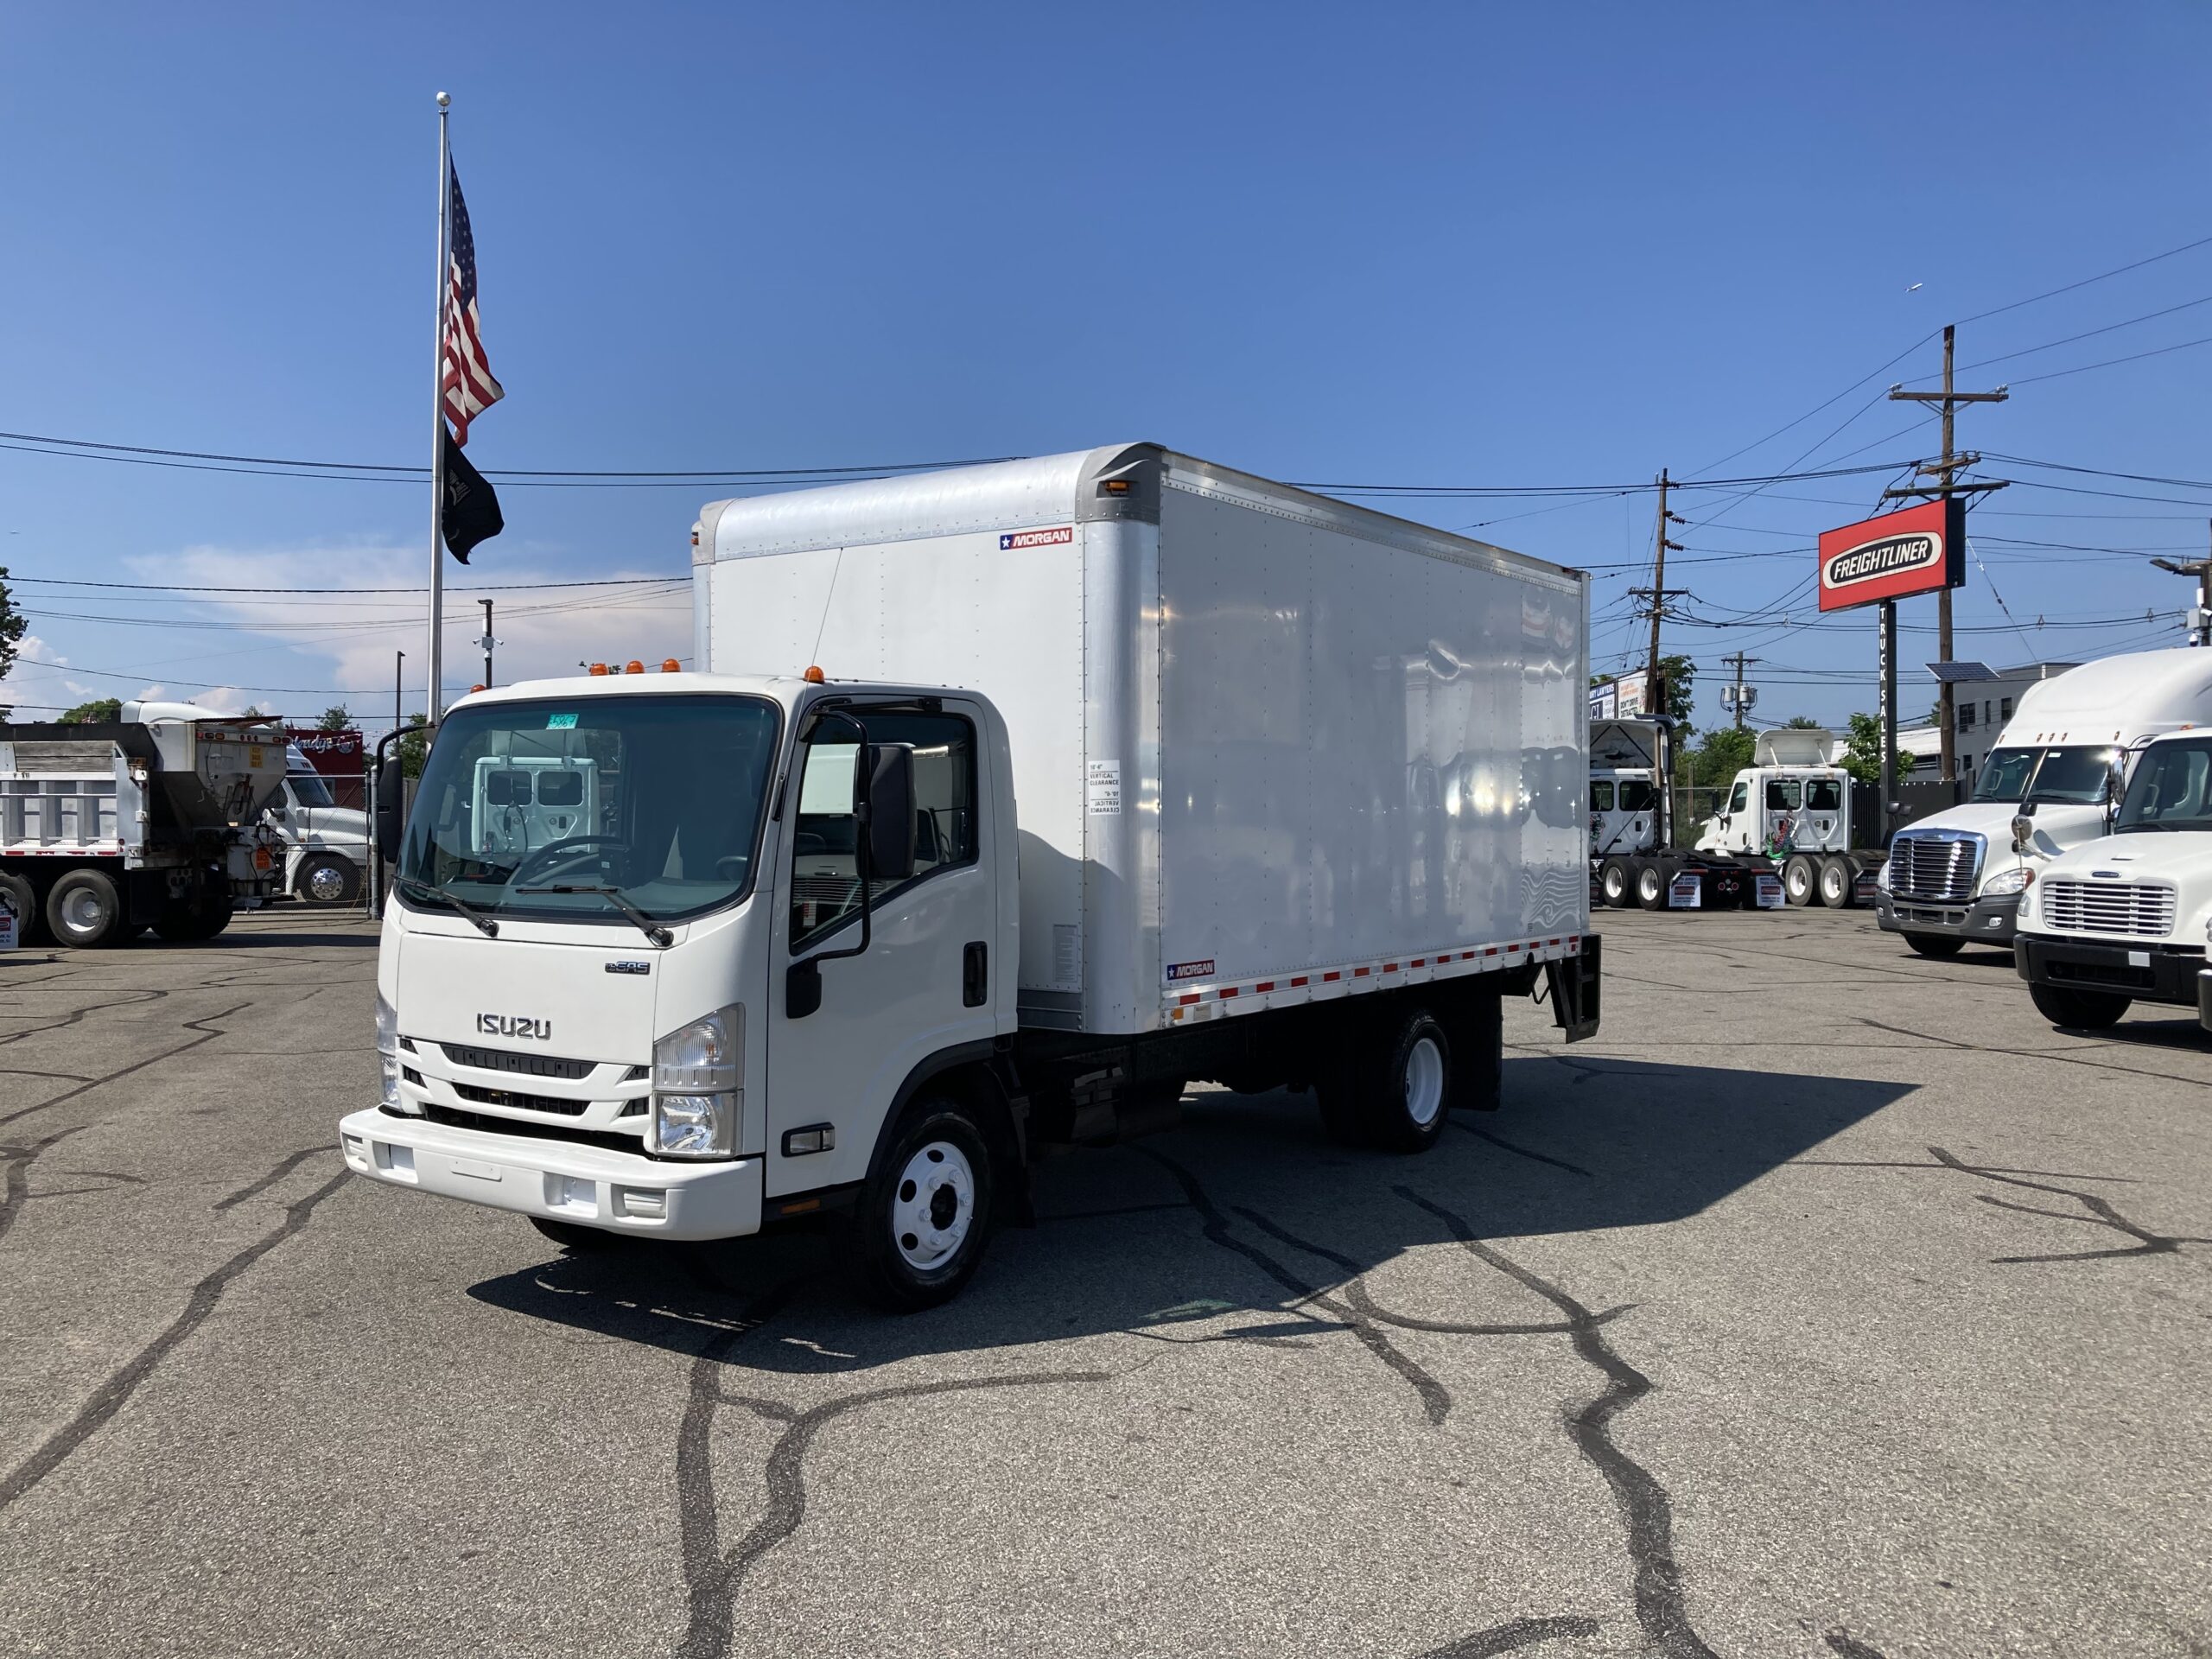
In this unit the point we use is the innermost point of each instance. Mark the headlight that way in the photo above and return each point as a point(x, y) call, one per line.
point(1882, 881)
point(697, 1098)
point(2007, 881)
point(387, 1054)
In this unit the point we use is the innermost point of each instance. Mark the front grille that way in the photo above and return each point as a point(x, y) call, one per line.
point(2138, 909)
point(525, 1065)
point(1941, 868)
point(521, 1102)
point(454, 1118)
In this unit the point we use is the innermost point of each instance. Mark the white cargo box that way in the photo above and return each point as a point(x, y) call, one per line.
point(1268, 747)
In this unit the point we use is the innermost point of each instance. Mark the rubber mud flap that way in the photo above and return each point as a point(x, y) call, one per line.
point(1574, 988)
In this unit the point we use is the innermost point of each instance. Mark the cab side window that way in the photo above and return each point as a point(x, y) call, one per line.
point(1601, 796)
point(1740, 799)
point(1823, 795)
point(1781, 795)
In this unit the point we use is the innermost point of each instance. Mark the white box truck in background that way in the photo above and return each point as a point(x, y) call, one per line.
point(1956, 877)
point(1119, 770)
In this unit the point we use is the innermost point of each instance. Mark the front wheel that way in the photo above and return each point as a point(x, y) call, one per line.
point(1935, 946)
point(926, 1213)
point(2081, 1010)
point(328, 878)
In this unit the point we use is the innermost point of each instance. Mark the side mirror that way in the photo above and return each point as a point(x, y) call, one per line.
point(2024, 830)
point(391, 816)
point(890, 811)
point(802, 988)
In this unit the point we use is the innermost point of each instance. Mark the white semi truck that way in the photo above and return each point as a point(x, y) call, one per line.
point(154, 820)
point(1795, 804)
point(1633, 859)
point(1956, 877)
point(326, 845)
point(1118, 770)
point(2126, 917)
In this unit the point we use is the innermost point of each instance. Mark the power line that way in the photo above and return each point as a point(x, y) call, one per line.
point(474, 587)
point(2133, 357)
point(2105, 275)
point(2053, 345)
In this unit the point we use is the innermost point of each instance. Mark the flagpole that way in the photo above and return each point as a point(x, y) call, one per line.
point(433, 705)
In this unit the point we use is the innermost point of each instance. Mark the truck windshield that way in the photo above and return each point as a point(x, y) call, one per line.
point(2073, 776)
point(308, 789)
point(658, 798)
point(2171, 789)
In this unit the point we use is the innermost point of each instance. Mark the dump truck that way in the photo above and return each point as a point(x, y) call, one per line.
point(154, 820)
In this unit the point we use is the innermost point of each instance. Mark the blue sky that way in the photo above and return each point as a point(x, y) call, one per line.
point(1427, 245)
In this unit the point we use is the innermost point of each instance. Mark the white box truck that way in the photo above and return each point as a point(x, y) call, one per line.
point(1956, 877)
point(1014, 798)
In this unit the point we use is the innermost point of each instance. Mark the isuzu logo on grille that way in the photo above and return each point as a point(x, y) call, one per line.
point(515, 1025)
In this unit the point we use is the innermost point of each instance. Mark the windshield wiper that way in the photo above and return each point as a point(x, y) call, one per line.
point(490, 929)
point(646, 925)
point(2140, 824)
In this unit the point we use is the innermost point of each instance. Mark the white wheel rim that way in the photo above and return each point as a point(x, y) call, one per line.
point(933, 1206)
point(1799, 883)
point(1648, 886)
point(81, 911)
point(1615, 881)
point(1424, 1082)
point(325, 883)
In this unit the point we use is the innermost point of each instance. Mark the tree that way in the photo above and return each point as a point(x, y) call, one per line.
point(414, 746)
point(1862, 756)
point(1724, 753)
point(1680, 676)
point(1800, 723)
point(334, 719)
point(98, 709)
point(12, 624)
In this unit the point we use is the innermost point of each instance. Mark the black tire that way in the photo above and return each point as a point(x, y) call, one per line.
point(328, 879)
point(1800, 881)
point(924, 1214)
point(1398, 1090)
point(1478, 1055)
point(583, 1241)
point(2079, 1010)
point(1650, 887)
point(22, 899)
point(1937, 947)
point(84, 909)
point(1614, 879)
point(1839, 883)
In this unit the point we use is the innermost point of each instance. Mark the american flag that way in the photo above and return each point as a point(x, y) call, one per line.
point(469, 388)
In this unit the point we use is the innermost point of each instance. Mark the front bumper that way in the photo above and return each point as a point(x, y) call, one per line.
point(1992, 921)
point(557, 1180)
point(2148, 973)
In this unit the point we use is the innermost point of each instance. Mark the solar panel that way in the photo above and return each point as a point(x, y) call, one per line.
point(1960, 673)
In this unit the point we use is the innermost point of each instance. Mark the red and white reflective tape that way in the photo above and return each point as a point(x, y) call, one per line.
point(82, 849)
point(1284, 990)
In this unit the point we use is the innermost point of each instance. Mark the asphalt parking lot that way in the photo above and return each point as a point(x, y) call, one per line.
point(1829, 1302)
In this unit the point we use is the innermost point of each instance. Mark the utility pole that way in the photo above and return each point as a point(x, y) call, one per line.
point(398, 686)
point(1656, 596)
point(487, 642)
point(2200, 626)
point(1739, 662)
point(1947, 401)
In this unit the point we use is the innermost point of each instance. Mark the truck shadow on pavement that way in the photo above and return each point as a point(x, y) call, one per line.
point(1244, 1227)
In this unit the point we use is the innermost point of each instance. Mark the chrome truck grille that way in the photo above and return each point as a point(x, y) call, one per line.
point(1939, 868)
point(2137, 909)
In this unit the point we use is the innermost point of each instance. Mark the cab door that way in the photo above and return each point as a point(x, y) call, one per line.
point(924, 984)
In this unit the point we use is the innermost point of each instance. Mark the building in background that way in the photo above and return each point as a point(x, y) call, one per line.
point(1984, 698)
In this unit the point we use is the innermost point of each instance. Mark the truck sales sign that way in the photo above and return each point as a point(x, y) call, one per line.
point(1918, 551)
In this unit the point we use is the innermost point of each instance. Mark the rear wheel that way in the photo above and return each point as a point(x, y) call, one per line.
point(21, 897)
point(1613, 883)
point(205, 920)
point(1837, 879)
point(2083, 1010)
point(1397, 1092)
point(83, 909)
point(925, 1214)
point(1799, 880)
point(1651, 889)
point(1936, 946)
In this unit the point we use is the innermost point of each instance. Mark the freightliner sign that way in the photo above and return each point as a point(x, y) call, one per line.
point(1919, 551)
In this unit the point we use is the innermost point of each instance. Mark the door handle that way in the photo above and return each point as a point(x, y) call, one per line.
point(975, 976)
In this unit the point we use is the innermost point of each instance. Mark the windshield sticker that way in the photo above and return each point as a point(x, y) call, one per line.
point(560, 722)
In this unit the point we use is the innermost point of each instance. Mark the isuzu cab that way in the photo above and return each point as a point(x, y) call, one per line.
point(1011, 800)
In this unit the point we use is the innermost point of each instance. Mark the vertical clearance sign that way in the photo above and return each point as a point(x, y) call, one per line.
point(1919, 551)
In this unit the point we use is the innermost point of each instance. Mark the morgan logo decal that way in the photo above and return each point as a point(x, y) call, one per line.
point(1014, 539)
point(1189, 970)
point(515, 1025)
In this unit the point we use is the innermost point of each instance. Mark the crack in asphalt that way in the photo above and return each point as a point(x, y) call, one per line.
point(115, 1393)
point(1849, 1646)
point(15, 1185)
point(1499, 1140)
point(200, 1024)
point(2101, 1213)
point(1645, 1507)
point(291, 1162)
point(2034, 1054)
point(1435, 1399)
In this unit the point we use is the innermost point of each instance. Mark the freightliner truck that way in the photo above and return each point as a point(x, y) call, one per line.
point(2125, 917)
point(1012, 800)
point(1633, 859)
point(1795, 804)
point(155, 820)
point(1956, 877)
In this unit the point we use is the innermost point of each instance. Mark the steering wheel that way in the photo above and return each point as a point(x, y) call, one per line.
point(556, 848)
